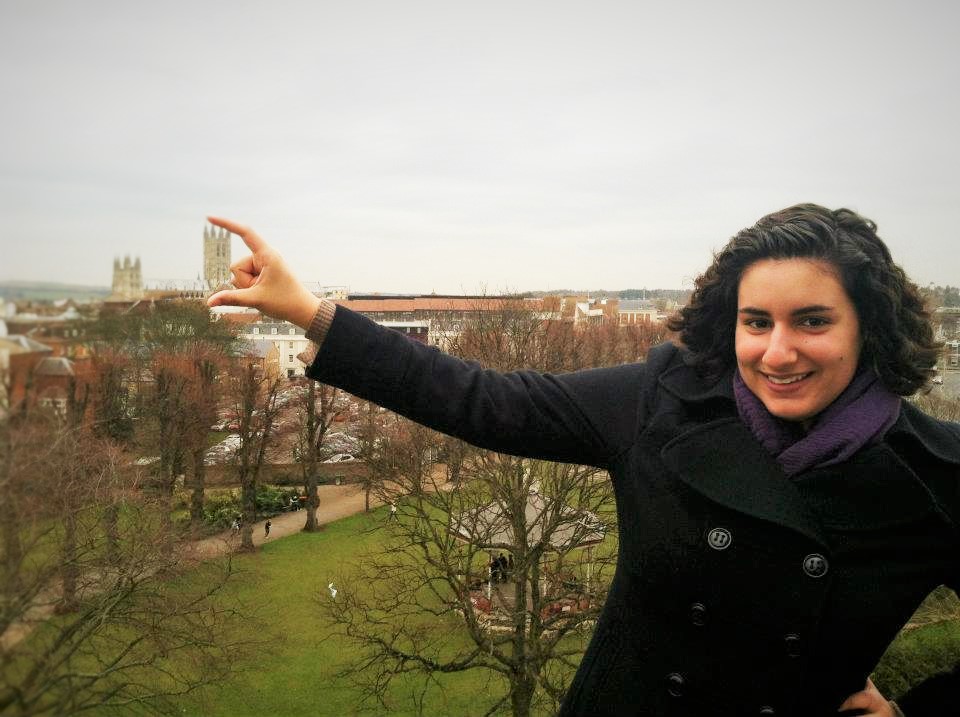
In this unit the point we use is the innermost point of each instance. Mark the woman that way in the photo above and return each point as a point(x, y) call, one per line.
point(781, 511)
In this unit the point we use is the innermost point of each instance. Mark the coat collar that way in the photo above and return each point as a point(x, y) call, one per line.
point(681, 380)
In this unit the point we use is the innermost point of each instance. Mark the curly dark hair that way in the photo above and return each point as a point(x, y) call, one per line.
point(897, 337)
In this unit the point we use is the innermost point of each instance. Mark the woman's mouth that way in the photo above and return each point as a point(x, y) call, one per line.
point(786, 380)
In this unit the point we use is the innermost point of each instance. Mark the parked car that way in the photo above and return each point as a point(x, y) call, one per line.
point(938, 380)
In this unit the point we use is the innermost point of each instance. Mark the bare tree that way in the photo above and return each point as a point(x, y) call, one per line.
point(121, 617)
point(112, 403)
point(166, 411)
point(443, 571)
point(318, 407)
point(379, 465)
point(203, 397)
point(254, 395)
point(440, 597)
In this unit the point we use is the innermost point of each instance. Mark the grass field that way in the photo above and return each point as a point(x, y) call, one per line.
point(293, 670)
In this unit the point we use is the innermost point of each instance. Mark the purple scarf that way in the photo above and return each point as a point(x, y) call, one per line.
point(860, 415)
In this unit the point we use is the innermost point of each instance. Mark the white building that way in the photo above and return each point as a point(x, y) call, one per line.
point(289, 340)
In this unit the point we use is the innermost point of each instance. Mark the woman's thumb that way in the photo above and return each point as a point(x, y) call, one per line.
point(231, 297)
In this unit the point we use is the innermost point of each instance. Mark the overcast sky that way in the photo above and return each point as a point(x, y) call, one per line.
point(454, 147)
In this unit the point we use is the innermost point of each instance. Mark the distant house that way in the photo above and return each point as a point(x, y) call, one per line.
point(286, 339)
point(951, 354)
point(264, 355)
point(19, 356)
point(636, 311)
point(52, 377)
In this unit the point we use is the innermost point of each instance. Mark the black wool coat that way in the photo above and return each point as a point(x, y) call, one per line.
point(737, 591)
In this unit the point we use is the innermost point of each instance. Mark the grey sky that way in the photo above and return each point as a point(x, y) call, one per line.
point(449, 146)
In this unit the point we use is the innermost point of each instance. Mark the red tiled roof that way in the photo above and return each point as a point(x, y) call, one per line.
point(238, 318)
point(429, 304)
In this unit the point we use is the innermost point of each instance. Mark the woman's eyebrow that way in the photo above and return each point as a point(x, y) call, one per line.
point(802, 311)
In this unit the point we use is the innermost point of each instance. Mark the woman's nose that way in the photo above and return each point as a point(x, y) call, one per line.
point(781, 350)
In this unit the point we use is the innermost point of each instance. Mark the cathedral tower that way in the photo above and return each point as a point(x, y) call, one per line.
point(216, 257)
point(127, 279)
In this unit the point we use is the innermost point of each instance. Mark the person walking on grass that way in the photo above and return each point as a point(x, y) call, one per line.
point(782, 511)
point(266, 529)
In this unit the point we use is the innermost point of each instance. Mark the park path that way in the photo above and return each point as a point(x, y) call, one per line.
point(336, 502)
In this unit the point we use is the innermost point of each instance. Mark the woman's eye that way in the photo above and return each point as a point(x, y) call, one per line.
point(815, 322)
point(756, 323)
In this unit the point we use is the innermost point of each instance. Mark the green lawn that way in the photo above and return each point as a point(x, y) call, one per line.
point(294, 671)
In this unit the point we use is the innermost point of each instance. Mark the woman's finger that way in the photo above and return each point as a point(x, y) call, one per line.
point(250, 237)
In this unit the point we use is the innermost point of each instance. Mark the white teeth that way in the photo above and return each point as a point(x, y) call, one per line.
point(785, 381)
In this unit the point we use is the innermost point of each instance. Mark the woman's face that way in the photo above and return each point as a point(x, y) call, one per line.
point(798, 336)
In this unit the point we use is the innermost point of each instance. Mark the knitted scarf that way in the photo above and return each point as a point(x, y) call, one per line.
point(859, 416)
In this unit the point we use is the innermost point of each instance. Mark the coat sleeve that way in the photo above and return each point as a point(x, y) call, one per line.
point(585, 417)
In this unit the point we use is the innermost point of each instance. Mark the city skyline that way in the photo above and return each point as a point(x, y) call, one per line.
point(431, 147)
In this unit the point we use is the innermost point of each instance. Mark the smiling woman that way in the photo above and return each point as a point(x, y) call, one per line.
point(797, 338)
point(782, 512)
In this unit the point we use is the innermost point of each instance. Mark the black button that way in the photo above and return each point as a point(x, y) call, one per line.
point(719, 538)
point(675, 684)
point(698, 614)
point(815, 565)
point(793, 644)
point(767, 711)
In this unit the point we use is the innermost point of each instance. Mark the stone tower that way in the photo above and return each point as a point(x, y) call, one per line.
point(216, 257)
point(127, 279)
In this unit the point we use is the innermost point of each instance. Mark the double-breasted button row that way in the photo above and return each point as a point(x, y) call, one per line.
point(815, 565)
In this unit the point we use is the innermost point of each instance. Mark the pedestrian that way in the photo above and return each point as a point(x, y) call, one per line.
point(502, 568)
point(393, 512)
point(266, 529)
point(782, 511)
point(236, 524)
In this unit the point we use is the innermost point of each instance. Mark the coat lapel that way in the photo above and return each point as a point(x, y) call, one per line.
point(874, 490)
point(722, 461)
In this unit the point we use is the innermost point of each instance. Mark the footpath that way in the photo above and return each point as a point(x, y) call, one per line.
point(336, 502)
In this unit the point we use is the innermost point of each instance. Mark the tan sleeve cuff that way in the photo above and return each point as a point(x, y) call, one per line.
point(317, 331)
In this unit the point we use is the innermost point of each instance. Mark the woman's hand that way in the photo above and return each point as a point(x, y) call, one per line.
point(871, 701)
point(264, 281)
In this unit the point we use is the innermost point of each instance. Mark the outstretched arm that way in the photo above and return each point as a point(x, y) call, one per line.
point(264, 281)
